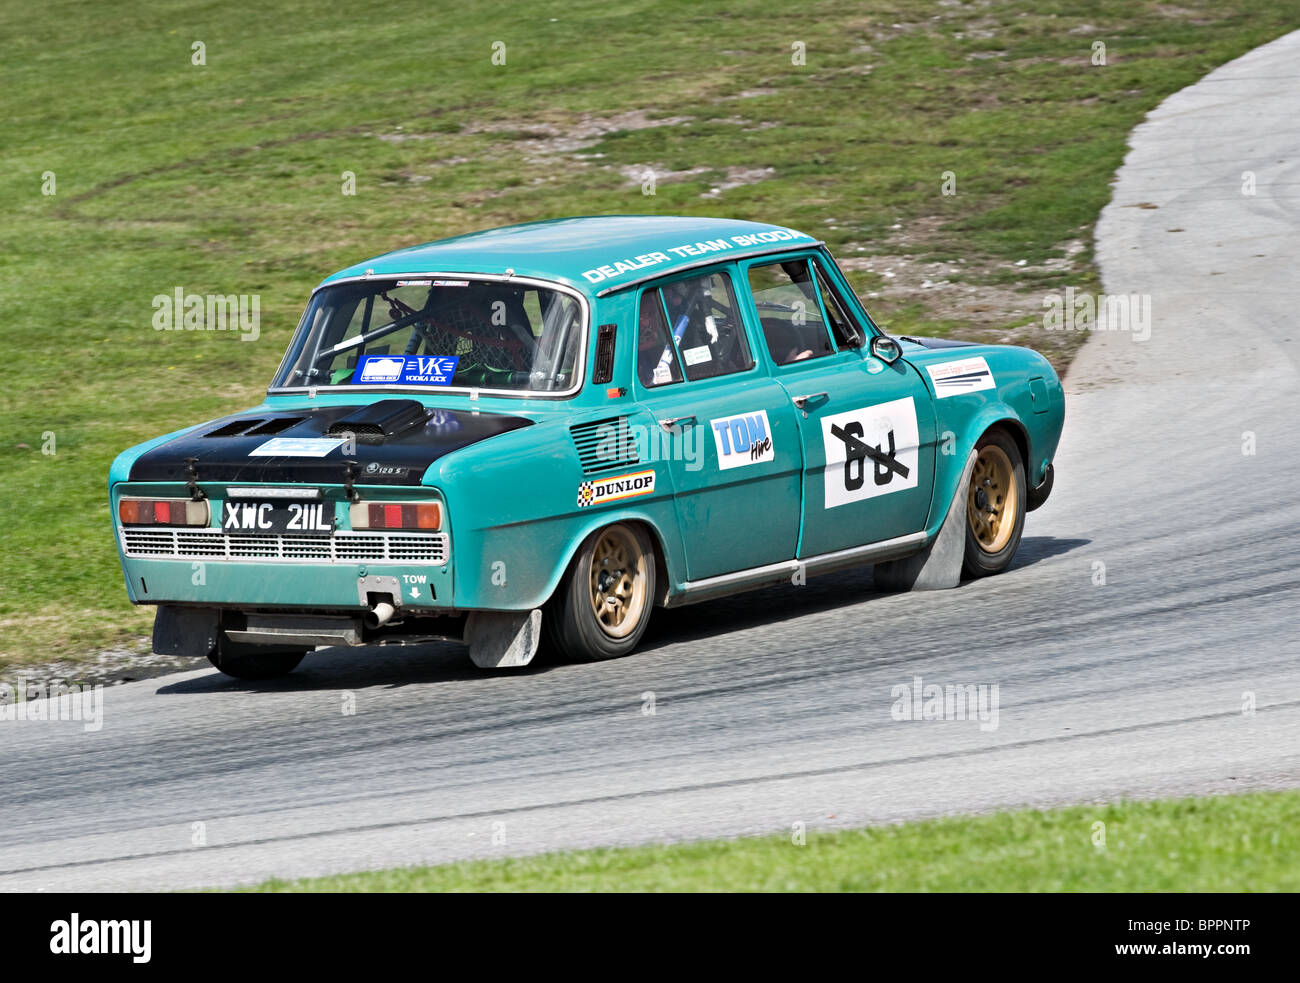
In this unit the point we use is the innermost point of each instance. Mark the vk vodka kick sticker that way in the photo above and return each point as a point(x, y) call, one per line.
point(405, 370)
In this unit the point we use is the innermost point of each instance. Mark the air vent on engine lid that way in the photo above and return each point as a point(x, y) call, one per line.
point(256, 427)
point(275, 426)
point(379, 421)
point(234, 428)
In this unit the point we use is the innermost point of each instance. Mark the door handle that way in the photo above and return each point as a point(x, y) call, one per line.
point(677, 421)
point(802, 401)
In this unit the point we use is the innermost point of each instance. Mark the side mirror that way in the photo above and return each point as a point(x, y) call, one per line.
point(886, 349)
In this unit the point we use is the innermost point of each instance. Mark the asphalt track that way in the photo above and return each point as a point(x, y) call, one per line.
point(774, 708)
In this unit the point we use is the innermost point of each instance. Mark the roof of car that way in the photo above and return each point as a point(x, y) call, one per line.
point(597, 253)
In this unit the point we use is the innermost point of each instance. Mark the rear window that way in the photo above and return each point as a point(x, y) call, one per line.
point(437, 333)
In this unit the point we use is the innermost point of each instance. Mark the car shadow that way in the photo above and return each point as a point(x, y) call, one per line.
point(1035, 548)
point(364, 667)
point(773, 605)
point(770, 605)
point(448, 662)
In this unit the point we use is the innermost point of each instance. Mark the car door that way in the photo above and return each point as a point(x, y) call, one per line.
point(866, 429)
point(726, 430)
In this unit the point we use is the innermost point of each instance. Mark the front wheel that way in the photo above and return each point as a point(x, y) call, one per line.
point(254, 662)
point(995, 505)
point(602, 607)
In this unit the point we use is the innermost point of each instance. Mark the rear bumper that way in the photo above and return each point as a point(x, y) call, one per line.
point(196, 632)
point(216, 582)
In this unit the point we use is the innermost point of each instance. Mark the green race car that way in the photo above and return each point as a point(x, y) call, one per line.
point(549, 429)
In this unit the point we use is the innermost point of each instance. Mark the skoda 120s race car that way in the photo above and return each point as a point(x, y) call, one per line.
point(553, 428)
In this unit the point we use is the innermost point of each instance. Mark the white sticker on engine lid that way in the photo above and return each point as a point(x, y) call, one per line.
point(297, 447)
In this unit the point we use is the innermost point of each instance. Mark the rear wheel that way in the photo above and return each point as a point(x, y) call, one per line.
point(995, 505)
point(602, 607)
point(254, 661)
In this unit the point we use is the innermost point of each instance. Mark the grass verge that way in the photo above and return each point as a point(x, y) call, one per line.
point(1227, 843)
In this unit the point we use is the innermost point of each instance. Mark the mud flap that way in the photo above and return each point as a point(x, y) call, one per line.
point(938, 566)
point(188, 632)
point(1037, 496)
point(503, 639)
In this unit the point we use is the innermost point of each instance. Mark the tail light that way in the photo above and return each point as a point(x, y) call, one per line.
point(417, 516)
point(162, 512)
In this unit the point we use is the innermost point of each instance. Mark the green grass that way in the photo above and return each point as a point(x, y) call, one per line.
point(1229, 843)
point(226, 178)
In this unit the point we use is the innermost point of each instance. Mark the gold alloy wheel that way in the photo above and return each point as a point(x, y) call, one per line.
point(618, 581)
point(992, 502)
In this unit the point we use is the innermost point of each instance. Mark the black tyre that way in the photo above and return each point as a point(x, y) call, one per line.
point(603, 604)
point(995, 505)
point(254, 661)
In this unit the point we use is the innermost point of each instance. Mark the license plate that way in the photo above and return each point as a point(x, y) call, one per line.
point(278, 517)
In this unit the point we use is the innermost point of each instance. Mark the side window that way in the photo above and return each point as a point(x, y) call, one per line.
point(842, 327)
point(788, 310)
point(705, 326)
point(656, 359)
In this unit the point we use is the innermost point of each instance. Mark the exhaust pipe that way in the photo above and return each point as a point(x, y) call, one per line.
point(379, 615)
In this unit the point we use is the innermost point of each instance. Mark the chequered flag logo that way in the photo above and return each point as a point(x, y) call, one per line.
point(585, 494)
